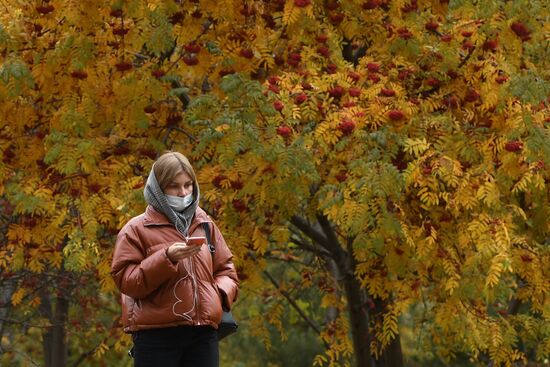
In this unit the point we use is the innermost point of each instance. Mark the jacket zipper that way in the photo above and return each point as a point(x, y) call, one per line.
point(198, 309)
point(197, 313)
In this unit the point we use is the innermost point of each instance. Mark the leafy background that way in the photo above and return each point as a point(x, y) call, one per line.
point(380, 169)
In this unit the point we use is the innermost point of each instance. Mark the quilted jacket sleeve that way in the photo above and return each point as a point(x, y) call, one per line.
point(135, 274)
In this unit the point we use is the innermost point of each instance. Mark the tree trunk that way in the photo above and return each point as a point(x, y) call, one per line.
point(47, 342)
point(358, 322)
point(324, 236)
point(59, 335)
point(7, 288)
point(392, 355)
point(332, 312)
point(54, 341)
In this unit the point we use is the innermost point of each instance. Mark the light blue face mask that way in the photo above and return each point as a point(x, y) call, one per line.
point(179, 203)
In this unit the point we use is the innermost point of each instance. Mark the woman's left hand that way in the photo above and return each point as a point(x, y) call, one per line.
point(180, 250)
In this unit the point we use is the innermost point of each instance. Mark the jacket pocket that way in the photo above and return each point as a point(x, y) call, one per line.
point(211, 307)
point(184, 298)
point(128, 304)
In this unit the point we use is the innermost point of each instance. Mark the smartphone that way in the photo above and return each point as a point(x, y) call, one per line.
point(196, 241)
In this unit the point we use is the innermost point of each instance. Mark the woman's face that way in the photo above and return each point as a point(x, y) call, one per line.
point(181, 185)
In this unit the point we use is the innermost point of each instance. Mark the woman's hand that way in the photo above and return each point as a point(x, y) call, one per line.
point(180, 250)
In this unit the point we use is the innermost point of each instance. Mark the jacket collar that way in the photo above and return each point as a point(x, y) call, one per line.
point(152, 217)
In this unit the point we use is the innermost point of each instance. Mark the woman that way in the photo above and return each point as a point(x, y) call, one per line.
point(173, 292)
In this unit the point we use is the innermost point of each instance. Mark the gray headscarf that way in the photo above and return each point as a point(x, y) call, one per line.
point(156, 198)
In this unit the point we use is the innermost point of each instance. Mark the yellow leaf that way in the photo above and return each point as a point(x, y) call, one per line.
point(17, 297)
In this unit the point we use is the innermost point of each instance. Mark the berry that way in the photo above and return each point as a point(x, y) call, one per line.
point(354, 92)
point(336, 18)
point(300, 98)
point(373, 78)
point(278, 105)
point(45, 9)
point(237, 185)
point(331, 68)
point(354, 76)
point(284, 131)
point(341, 176)
point(295, 56)
point(471, 96)
point(346, 126)
point(452, 74)
point(79, 74)
point(431, 26)
point(239, 205)
point(157, 73)
point(513, 146)
point(294, 59)
point(191, 59)
point(370, 4)
point(386, 92)
point(432, 82)
point(396, 115)
point(526, 258)
point(501, 79)
point(490, 45)
point(348, 104)
point(404, 33)
point(246, 53)
point(217, 181)
point(123, 66)
point(323, 50)
point(150, 109)
point(336, 92)
point(273, 80)
point(322, 38)
point(120, 31)
point(177, 17)
point(192, 47)
point(302, 3)
point(373, 67)
point(520, 30)
point(412, 6)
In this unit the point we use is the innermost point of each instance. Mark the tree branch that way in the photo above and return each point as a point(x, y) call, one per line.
point(292, 303)
point(85, 355)
point(309, 231)
point(307, 247)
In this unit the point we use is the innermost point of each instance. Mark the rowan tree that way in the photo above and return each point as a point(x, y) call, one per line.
point(394, 153)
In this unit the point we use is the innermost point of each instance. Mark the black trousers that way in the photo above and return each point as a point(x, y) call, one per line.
point(182, 346)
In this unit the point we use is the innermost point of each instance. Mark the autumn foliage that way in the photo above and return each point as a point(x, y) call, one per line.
point(394, 153)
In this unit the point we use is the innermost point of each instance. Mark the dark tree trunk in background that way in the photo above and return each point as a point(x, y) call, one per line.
point(54, 338)
point(325, 237)
point(7, 287)
point(358, 322)
point(392, 355)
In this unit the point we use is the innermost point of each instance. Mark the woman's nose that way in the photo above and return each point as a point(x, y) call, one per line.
point(183, 191)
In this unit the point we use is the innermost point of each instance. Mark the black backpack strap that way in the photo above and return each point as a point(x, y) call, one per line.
point(211, 246)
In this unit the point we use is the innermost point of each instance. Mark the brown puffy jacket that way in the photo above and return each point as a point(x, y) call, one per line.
point(157, 293)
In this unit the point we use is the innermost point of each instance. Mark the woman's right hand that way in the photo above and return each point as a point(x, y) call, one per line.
point(180, 250)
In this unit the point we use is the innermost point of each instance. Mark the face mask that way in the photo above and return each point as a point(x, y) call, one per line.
point(179, 203)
